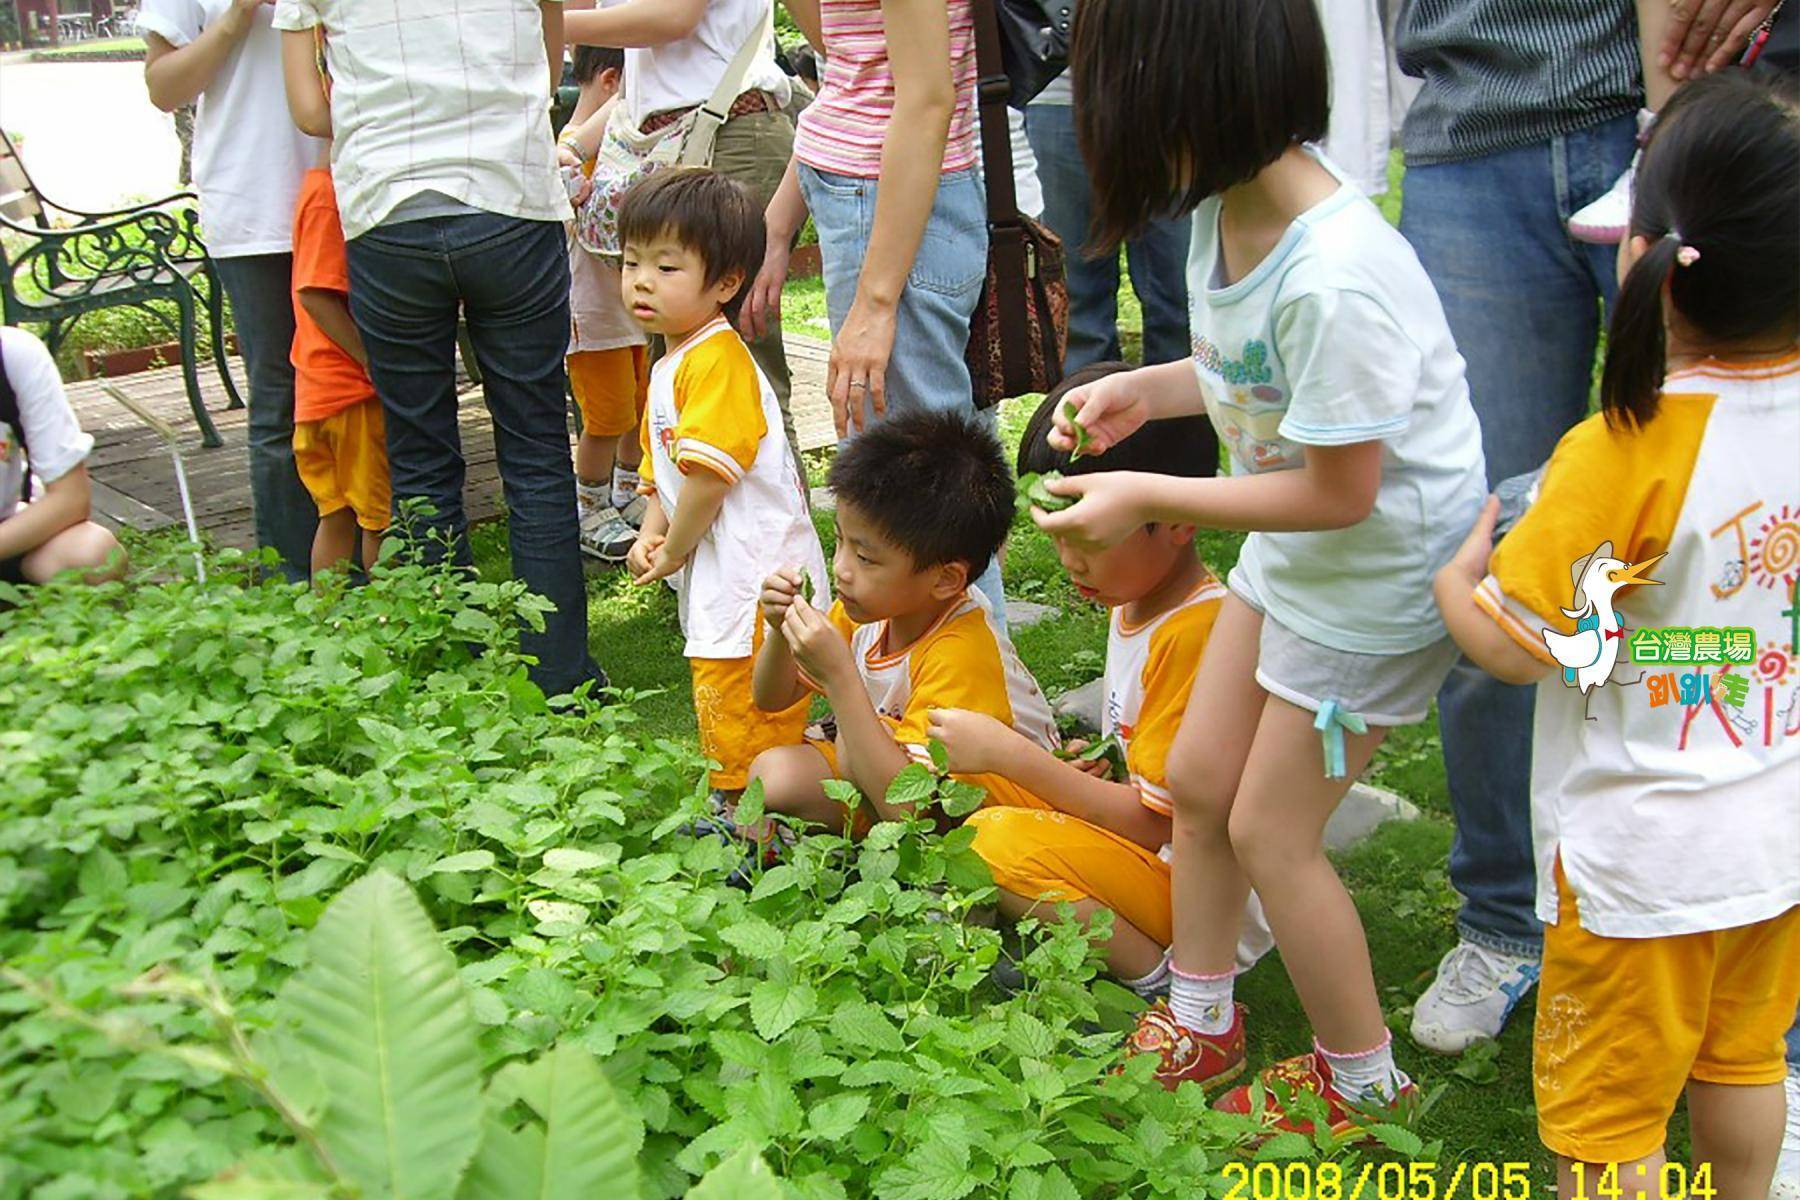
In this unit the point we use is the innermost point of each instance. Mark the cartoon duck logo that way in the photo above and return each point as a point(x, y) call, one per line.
point(1588, 655)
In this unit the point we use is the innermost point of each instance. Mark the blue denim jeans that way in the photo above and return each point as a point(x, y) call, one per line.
point(262, 311)
point(510, 280)
point(1525, 304)
point(1158, 257)
point(926, 370)
point(1793, 1044)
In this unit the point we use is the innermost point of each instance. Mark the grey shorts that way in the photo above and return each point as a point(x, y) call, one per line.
point(1383, 689)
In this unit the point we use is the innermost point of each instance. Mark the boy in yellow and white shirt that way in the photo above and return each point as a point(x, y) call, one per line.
point(1078, 835)
point(1666, 750)
point(729, 504)
point(924, 501)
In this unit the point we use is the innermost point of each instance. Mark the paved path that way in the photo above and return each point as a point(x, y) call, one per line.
point(134, 477)
point(91, 137)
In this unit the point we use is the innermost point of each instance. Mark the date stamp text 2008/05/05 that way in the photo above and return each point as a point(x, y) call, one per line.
point(1444, 1181)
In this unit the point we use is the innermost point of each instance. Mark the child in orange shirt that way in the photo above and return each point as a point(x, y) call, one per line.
point(340, 442)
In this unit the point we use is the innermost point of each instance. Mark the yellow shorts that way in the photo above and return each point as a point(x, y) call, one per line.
point(1624, 1023)
point(1042, 854)
point(610, 387)
point(342, 460)
point(733, 731)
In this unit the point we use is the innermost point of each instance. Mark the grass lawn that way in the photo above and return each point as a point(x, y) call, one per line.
point(97, 46)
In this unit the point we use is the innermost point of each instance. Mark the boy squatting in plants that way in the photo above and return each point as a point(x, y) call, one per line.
point(924, 501)
point(1095, 842)
point(730, 506)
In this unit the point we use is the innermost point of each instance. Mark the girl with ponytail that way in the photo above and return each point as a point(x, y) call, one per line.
point(1667, 827)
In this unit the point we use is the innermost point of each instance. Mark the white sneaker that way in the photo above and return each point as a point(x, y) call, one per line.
point(1607, 220)
point(605, 535)
point(1787, 1168)
point(1475, 991)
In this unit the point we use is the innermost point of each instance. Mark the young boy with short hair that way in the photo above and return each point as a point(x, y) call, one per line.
point(924, 501)
point(728, 504)
point(340, 440)
point(608, 372)
point(1095, 842)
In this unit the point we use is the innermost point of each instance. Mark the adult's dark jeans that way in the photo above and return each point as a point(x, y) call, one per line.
point(1157, 257)
point(510, 279)
point(1524, 302)
point(262, 311)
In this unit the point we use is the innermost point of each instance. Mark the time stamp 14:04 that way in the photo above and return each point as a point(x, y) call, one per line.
point(1462, 1181)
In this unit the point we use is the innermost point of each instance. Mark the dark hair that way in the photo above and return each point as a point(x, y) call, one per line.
point(1185, 446)
point(704, 211)
point(934, 483)
point(591, 60)
point(1720, 178)
point(1177, 100)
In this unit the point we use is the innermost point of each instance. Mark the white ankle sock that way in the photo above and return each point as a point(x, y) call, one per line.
point(591, 494)
point(624, 487)
point(1153, 983)
point(1366, 1075)
point(1201, 1002)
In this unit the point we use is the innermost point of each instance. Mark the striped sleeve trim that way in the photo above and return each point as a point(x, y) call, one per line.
point(1154, 797)
point(919, 754)
point(1519, 622)
point(690, 453)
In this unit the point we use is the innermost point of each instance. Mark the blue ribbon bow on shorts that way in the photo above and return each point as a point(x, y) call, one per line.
point(1331, 723)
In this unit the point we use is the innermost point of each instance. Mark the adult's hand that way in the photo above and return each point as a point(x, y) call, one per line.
point(858, 367)
point(761, 310)
point(1705, 35)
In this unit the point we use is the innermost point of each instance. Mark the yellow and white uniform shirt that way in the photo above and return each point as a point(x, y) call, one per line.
point(710, 408)
point(1671, 814)
point(1149, 672)
point(962, 661)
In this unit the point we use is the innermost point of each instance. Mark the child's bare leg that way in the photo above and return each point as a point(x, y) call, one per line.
point(1277, 831)
point(1637, 1180)
point(793, 779)
point(594, 457)
point(86, 547)
point(630, 453)
point(335, 541)
point(1208, 889)
point(1738, 1130)
point(1130, 953)
point(371, 546)
point(1653, 25)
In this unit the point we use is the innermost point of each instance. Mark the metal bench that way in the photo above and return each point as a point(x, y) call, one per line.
point(58, 264)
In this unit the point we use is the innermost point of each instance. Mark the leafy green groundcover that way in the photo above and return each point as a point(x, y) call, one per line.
point(192, 773)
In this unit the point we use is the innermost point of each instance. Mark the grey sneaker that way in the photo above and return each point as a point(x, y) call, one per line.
point(633, 513)
point(1476, 989)
point(605, 535)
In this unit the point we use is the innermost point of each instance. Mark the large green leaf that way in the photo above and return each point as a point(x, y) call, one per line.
point(586, 1145)
point(381, 1017)
point(743, 1176)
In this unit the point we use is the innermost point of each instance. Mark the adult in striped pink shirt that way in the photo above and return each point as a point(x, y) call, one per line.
point(885, 159)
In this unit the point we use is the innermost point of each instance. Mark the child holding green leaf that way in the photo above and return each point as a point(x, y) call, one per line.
point(1102, 842)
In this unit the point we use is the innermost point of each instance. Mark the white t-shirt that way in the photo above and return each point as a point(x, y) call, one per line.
point(711, 409)
point(683, 73)
point(248, 156)
point(446, 96)
point(57, 444)
point(1335, 338)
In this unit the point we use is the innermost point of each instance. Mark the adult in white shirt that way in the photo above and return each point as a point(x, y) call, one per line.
point(446, 179)
point(248, 160)
point(676, 52)
point(45, 532)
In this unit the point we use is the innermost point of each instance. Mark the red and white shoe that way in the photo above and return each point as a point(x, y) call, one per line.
point(1207, 1059)
point(1311, 1073)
